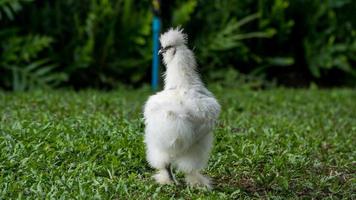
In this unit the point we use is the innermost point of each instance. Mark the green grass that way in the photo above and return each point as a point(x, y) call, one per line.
point(271, 144)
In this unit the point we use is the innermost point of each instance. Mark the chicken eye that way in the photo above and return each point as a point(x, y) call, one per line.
point(168, 47)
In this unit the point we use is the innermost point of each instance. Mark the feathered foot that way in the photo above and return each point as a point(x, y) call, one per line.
point(162, 177)
point(196, 179)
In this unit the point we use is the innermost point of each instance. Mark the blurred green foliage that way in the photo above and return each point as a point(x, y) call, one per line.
point(103, 43)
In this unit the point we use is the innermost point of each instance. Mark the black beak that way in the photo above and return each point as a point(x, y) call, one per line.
point(161, 51)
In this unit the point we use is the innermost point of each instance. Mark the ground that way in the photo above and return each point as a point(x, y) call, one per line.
point(279, 143)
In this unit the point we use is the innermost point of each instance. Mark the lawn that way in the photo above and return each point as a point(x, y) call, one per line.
point(269, 144)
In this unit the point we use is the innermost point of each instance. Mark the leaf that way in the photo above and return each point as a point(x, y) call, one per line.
point(35, 65)
point(10, 7)
point(38, 74)
point(248, 19)
point(24, 48)
point(181, 15)
point(245, 36)
point(230, 35)
point(281, 61)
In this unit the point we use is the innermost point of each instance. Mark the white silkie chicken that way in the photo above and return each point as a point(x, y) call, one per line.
point(179, 120)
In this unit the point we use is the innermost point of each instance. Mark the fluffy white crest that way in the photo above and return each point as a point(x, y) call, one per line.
point(173, 37)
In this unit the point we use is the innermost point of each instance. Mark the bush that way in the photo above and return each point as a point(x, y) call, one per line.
point(102, 43)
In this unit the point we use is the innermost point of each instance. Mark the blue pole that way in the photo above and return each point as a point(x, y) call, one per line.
point(156, 27)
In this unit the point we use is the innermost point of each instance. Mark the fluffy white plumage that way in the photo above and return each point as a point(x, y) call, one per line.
point(179, 120)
